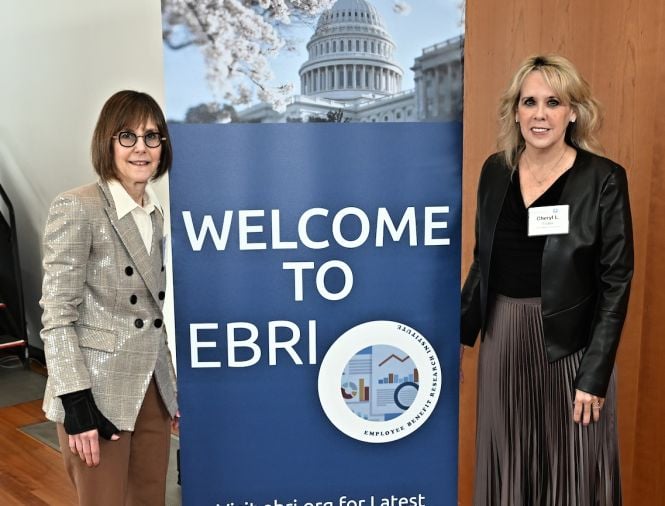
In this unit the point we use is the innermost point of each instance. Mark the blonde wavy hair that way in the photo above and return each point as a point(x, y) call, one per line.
point(562, 76)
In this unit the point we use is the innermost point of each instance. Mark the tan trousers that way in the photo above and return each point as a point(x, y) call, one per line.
point(132, 470)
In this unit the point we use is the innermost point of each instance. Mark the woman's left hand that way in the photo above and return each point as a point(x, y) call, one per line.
point(175, 421)
point(587, 407)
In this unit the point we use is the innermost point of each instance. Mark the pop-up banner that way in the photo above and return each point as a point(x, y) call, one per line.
point(316, 277)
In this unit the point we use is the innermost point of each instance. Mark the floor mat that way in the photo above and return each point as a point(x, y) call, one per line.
point(19, 385)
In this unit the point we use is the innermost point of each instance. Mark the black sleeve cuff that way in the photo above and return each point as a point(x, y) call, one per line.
point(81, 415)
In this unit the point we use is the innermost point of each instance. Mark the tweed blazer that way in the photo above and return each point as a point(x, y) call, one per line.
point(102, 302)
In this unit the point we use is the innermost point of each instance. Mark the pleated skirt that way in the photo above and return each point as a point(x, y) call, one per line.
point(529, 451)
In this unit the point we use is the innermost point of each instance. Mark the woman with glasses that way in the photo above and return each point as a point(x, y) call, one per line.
point(548, 293)
point(111, 385)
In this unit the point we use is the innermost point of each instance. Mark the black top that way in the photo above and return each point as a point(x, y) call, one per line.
point(586, 273)
point(517, 258)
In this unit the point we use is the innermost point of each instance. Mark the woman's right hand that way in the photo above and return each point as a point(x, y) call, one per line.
point(85, 424)
point(86, 446)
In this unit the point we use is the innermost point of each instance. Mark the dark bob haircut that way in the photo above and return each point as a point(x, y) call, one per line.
point(127, 109)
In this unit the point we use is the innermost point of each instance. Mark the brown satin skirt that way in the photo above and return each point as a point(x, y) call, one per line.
point(528, 449)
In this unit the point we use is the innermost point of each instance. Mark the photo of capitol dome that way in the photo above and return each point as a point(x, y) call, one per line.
point(350, 55)
point(351, 74)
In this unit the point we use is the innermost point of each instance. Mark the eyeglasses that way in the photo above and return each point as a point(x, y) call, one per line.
point(129, 139)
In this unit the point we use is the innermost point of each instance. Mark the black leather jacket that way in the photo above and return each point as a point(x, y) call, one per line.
point(586, 274)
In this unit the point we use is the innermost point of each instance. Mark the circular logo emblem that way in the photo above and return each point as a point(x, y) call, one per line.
point(380, 381)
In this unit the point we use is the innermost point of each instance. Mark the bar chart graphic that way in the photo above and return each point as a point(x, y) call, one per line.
point(379, 383)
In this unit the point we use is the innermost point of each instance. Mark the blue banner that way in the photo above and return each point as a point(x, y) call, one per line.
point(316, 277)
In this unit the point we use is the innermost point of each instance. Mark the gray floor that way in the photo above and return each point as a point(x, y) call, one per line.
point(19, 385)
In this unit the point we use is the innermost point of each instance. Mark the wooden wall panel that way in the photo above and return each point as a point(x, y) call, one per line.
point(648, 462)
point(619, 46)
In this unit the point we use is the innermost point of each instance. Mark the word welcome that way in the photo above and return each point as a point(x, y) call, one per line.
point(251, 226)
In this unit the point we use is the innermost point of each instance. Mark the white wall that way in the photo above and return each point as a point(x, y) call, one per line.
point(59, 62)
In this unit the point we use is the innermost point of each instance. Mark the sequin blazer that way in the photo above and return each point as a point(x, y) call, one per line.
point(102, 298)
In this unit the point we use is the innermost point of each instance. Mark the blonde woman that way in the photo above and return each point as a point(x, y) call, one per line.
point(547, 292)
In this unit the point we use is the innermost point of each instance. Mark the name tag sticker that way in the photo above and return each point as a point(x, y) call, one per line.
point(548, 220)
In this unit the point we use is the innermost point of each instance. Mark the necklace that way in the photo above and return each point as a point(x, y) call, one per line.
point(547, 172)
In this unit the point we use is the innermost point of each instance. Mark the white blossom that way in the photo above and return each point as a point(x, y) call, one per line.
point(401, 7)
point(238, 39)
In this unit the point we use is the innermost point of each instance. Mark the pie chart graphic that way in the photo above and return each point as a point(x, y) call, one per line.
point(405, 394)
point(349, 390)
